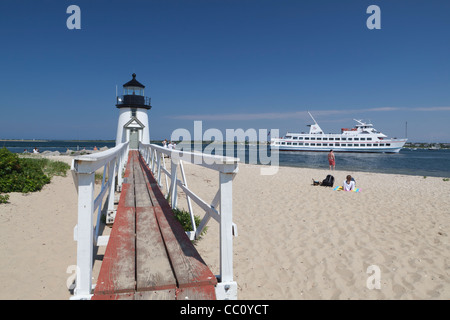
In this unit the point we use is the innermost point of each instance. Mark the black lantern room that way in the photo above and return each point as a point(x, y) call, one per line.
point(133, 95)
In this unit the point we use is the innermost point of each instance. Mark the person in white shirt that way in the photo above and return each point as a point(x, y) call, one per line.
point(349, 184)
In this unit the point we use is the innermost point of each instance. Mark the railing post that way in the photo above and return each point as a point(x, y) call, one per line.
point(85, 230)
point(173, 182)
point(226, 288)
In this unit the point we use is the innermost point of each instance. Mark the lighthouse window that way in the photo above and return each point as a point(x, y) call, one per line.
point(133, 112)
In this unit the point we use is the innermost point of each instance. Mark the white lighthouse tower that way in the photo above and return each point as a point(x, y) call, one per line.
point(133, 118)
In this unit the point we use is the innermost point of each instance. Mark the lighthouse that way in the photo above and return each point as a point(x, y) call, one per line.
point(133, 118)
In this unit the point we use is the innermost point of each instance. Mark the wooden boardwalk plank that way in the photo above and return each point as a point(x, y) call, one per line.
point(153, 270)
point(189, 268)
point(206, 292)
point(149, 256)
point(117, 273)
point(156, 295)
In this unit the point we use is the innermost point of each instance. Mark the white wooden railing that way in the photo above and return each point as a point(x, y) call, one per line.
point(83, 170)
point(227, 167)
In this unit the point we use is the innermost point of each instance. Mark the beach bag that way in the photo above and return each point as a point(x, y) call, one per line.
point(328, 181)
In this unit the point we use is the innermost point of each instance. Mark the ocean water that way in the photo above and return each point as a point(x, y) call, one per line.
point(421, 162)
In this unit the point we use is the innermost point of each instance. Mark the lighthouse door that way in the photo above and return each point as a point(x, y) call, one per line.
point(134, 139)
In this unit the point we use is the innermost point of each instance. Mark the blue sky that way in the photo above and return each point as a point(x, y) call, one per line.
point(231, 63)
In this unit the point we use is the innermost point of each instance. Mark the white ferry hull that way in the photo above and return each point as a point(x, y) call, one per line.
point(392, 149)
point(363, 138)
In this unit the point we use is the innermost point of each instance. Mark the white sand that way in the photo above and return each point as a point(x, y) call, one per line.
point(296, 241)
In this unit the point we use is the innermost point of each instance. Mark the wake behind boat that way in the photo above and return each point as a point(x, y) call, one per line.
point(362, 138)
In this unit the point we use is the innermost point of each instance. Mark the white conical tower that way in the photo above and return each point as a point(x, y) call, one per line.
point(133, 117)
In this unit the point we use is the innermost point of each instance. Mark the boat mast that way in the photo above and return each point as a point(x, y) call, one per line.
point(312, 117)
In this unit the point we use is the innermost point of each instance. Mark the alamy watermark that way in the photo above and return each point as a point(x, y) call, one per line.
point(374, 280)
point(257, 141)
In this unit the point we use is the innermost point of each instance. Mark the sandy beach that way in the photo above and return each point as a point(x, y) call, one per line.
point(295, 240)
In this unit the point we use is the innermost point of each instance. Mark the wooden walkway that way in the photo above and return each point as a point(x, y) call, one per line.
point(149, 256)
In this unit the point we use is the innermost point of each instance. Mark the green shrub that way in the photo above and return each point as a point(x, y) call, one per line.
point(184, 218)
point(4, 198)
point(27, 174)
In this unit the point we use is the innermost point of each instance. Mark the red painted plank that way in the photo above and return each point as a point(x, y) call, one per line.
point(189, 268)
point(206, 292)
point(114, 296)
point(117, 273)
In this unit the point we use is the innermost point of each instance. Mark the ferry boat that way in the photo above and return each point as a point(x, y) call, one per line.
point(362, 138)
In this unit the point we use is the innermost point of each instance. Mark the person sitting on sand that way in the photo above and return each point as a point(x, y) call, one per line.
point(349, 184)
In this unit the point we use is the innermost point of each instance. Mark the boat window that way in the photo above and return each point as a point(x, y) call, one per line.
point(350, 145)
point(343, 139)
point(306, 144)
point(369, 138)
point(369, 144)
point(306, 138)
point(375, 144)
point(363, 144)
point(313, 144)
point(338, 138)
point(356, 139)
point(289, 143)
point(294, 143)
point(319, 144)
point(350, 139)
point(283, 143)
point(381, 144)
point(363, 139)
point(343, 144)
point(288, 137)
point(300, 143)
point(319, 138)
point(295, 138)
point(330, 139)
point(300, 138)
point(388, 144)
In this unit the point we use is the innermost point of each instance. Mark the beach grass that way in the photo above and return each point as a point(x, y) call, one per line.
point(27, 174)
